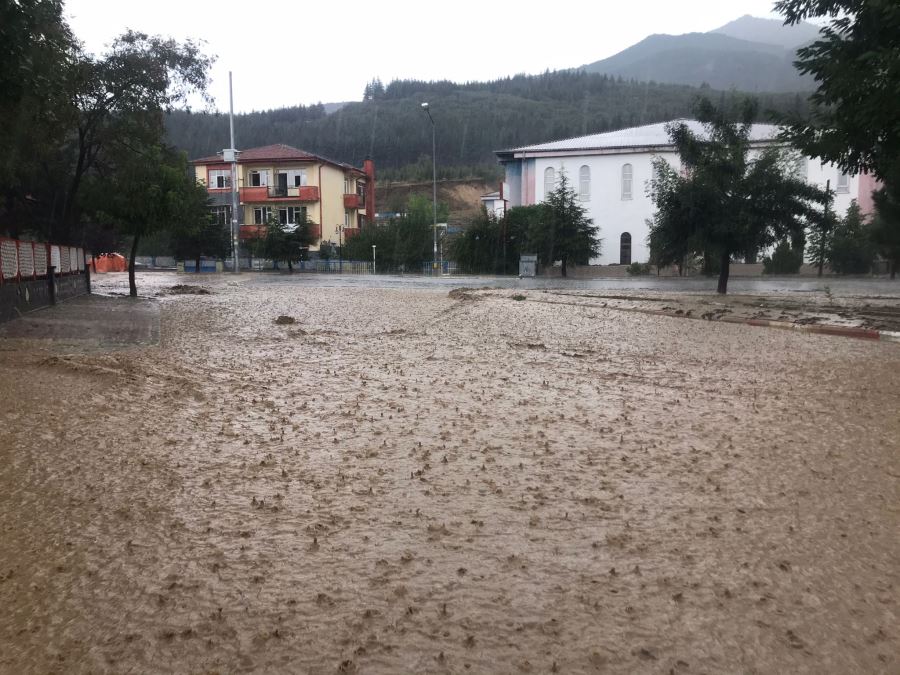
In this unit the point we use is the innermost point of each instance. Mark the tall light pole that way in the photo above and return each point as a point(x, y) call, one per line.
point(234, 183)
point(433, 183)
point(373, 259)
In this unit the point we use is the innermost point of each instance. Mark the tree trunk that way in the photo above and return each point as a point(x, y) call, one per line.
point(564, 261)
point(290, 267)
point(198, 264)
point(132, 286)
point(821, 265)
point(893, 269)
point(724, 269)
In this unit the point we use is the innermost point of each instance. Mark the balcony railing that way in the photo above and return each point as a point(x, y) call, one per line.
point(353, 201)
point(305, 193)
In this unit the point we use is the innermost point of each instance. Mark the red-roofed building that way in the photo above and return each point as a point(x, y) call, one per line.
point(288, 183)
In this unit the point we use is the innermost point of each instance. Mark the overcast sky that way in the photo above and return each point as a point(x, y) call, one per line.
point(288, 52)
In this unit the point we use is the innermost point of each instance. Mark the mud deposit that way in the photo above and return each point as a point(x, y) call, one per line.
point(402, 481)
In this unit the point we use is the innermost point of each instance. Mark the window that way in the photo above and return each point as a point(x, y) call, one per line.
point(297, 177)
point(349, 188)
point(220, 179)
point(221, 215)
point(584, 183)
point(346, 219)
point(626, 181)
point(625, 248)
point(549, 181)
point(259, 178)
point(261, 215)
point(843, 183)
point(291, 215)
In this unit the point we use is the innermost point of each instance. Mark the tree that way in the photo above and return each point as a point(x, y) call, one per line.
point(565, 233)
point(784, 259)
point(204, 237)
point(884, 230)
point(148, 189)
point(724, 201)
point(821, 233)
point(489, 245)
point(851, 247)
point(286, 242)
point(856, 63)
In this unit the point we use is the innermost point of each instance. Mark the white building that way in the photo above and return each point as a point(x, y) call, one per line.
point(494, 202)
point(610, 173)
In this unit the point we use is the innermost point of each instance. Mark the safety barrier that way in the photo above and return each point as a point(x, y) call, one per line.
point(29, 260)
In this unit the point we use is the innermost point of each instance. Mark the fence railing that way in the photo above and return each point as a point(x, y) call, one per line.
point(28, 260)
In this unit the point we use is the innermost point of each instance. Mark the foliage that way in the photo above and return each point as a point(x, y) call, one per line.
point(489, 245)
point(146, 190)
point(565, 233)
point(472, 120)
point(856, 64)
point(724, 201)
point(821, 233)
point(69, 116)
point(851, 249)
point(402, 243)
point(785, 259)
point(287, 243)
point(637, 269)
point(327, 250)
point(884, 230)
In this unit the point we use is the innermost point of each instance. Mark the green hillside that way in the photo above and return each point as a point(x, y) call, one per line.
point(472, 120)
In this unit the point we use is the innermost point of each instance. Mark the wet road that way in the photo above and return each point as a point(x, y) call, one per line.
point(403, 481)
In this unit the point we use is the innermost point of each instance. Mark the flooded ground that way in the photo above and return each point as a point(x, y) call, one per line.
point(406, 480)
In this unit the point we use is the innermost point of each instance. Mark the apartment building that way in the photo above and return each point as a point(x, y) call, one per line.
point(288, 183)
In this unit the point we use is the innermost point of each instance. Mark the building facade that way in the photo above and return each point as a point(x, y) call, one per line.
point(611, 173)
point(290, 184)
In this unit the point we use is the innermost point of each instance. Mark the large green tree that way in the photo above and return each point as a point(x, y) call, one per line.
point(564, 233)
point(855, 119)
point(725, 200)
point(851, 247)
point(885, 227)
point(145, 190)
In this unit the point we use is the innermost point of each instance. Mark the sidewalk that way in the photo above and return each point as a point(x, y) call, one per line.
point(88, 322)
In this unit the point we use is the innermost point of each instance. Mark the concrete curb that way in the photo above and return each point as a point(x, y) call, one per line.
point(840, 331)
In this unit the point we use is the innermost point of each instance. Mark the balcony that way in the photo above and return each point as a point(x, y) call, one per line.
point(353, 201)
point(252, 232)
point(263, 193)
point(304, 193)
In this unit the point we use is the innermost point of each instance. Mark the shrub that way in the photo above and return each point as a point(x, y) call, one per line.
point(784, 260)
point(637, 269)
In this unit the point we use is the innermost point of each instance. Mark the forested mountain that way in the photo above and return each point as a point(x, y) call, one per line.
point(472, 120)
point(748, 54)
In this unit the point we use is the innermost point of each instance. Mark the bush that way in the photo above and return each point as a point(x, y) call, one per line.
point(637, 269)
point(784, 260)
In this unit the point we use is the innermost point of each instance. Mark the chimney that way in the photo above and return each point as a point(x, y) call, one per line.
point(369, 170)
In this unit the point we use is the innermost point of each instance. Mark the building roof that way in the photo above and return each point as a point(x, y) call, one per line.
point(275, 152)
point(651, 136)
point(491, 195)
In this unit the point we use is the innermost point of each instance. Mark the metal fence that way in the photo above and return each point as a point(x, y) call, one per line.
point(28, 260)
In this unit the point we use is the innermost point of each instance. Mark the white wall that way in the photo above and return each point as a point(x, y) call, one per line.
point(614, 215)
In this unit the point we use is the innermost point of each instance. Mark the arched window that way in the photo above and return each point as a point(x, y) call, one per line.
point(549, 181)
point(625, 248)
point(626, 181)
point(584, 183)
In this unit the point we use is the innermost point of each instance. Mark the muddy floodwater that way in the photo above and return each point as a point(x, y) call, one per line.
point(406, 480)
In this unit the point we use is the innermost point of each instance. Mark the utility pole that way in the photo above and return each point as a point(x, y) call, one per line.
point(234, 183)
point(433, 183)
point(373, 259)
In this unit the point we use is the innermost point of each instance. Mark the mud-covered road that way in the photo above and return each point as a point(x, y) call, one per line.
point(406, 481)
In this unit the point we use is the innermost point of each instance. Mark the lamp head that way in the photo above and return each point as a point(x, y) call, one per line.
point(425, 106)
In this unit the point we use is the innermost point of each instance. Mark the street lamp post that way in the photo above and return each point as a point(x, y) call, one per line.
point(373, 259)
point(433, 182)
point(340, 229)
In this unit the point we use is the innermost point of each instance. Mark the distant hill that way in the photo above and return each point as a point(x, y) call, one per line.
point(769, 31)
point(472, 120)
point(747, 54)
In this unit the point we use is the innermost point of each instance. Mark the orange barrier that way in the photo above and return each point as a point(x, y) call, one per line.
point(109, 262)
